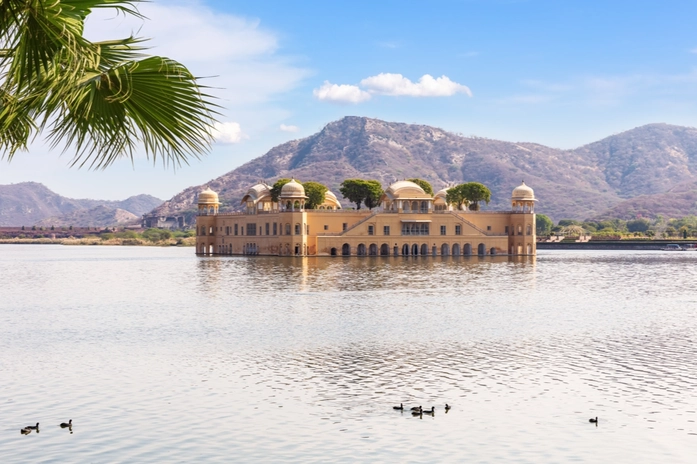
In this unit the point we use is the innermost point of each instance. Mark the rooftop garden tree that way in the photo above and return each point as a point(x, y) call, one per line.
point(455, 196)
point(315, 193)
point(470, 194)
point(103, 100)
point(475, 193)
point(362, 191)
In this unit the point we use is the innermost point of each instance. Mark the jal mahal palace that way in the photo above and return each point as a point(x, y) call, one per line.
point(408, 222)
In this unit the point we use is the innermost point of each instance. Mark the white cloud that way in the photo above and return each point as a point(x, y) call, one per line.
point(340, 93)
point(427, 86)
point(228, 132)
point(238, 57)
point(285, 128)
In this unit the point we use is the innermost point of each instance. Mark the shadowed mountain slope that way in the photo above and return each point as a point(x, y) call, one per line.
point(579, 183)
point(29, 203)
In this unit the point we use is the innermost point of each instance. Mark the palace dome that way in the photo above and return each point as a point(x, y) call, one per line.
point(292, 190)
point(256, 193)
point(405, 189)
point(441, 193)
point(523, 193)
point(328, 195)
point(330, 200)
point(208, 197)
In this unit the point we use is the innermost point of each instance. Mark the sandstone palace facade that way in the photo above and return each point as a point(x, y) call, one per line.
point(408, 222)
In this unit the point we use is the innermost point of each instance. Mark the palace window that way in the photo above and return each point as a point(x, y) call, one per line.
point(386, 230)
point(251, 229)
point(528, 230)
point(287, 229)
point(297, 229)
point(371, 230)
point(506, 230)
point(267, 228)
point(344, 226)
point(520, 231)
point(458, 229)
point(488, 227)
point(235, 229)
point(275, 228)
point(326, 227)
point(442, 230)
point(415, 228)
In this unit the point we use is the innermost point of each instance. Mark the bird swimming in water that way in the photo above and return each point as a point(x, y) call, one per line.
point(593, 421)
point(433, 410)
point(447, 407)
point(416, 408)
point(69, 424)
point(399, 408)
point(32, 427)
point(25, 431)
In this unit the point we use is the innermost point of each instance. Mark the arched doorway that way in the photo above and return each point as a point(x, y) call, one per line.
point(361, 249)
point(468, 249)
point(405, 250)
point(424, 249)
point(456, 249)
point(332, 252)
point(529, 249)
point(373, 249)
point(384, 249)
point(415, 249)
point(492, 251)
point(481, 249)
point(345, 249)
point(445, 249)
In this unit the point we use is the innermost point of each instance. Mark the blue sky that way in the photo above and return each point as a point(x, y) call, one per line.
point(560, 73)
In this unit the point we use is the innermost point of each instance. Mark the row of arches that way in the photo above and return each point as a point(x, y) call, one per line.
point(413, 249)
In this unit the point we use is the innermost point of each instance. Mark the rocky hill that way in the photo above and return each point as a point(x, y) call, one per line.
point(31, 203)
point(585, 182)
point(99, 216)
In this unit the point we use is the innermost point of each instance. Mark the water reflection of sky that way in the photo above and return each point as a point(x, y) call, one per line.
point(158, 355)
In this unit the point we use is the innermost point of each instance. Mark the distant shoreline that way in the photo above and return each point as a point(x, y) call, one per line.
point(96, 241)
point(615, 245)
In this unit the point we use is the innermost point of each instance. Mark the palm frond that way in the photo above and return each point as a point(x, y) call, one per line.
point(155, 101)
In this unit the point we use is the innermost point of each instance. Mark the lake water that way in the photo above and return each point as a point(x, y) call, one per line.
point(159, 356)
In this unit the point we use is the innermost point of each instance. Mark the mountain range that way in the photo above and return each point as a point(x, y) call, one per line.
point(31, 203)
point(646, 171)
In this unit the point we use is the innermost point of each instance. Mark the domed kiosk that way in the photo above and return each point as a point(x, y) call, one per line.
point(523, 199)
point(208, 202)
point(292, 197)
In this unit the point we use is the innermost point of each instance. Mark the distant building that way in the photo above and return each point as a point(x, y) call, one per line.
point(408, 222)
point(163, 222)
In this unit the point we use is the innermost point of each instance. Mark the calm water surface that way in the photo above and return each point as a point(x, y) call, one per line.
point(159, 356)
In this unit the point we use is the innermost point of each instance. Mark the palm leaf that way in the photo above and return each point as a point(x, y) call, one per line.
point(103, 98)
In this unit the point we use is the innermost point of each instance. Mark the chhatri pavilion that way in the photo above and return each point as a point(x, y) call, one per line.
point(408, 222)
